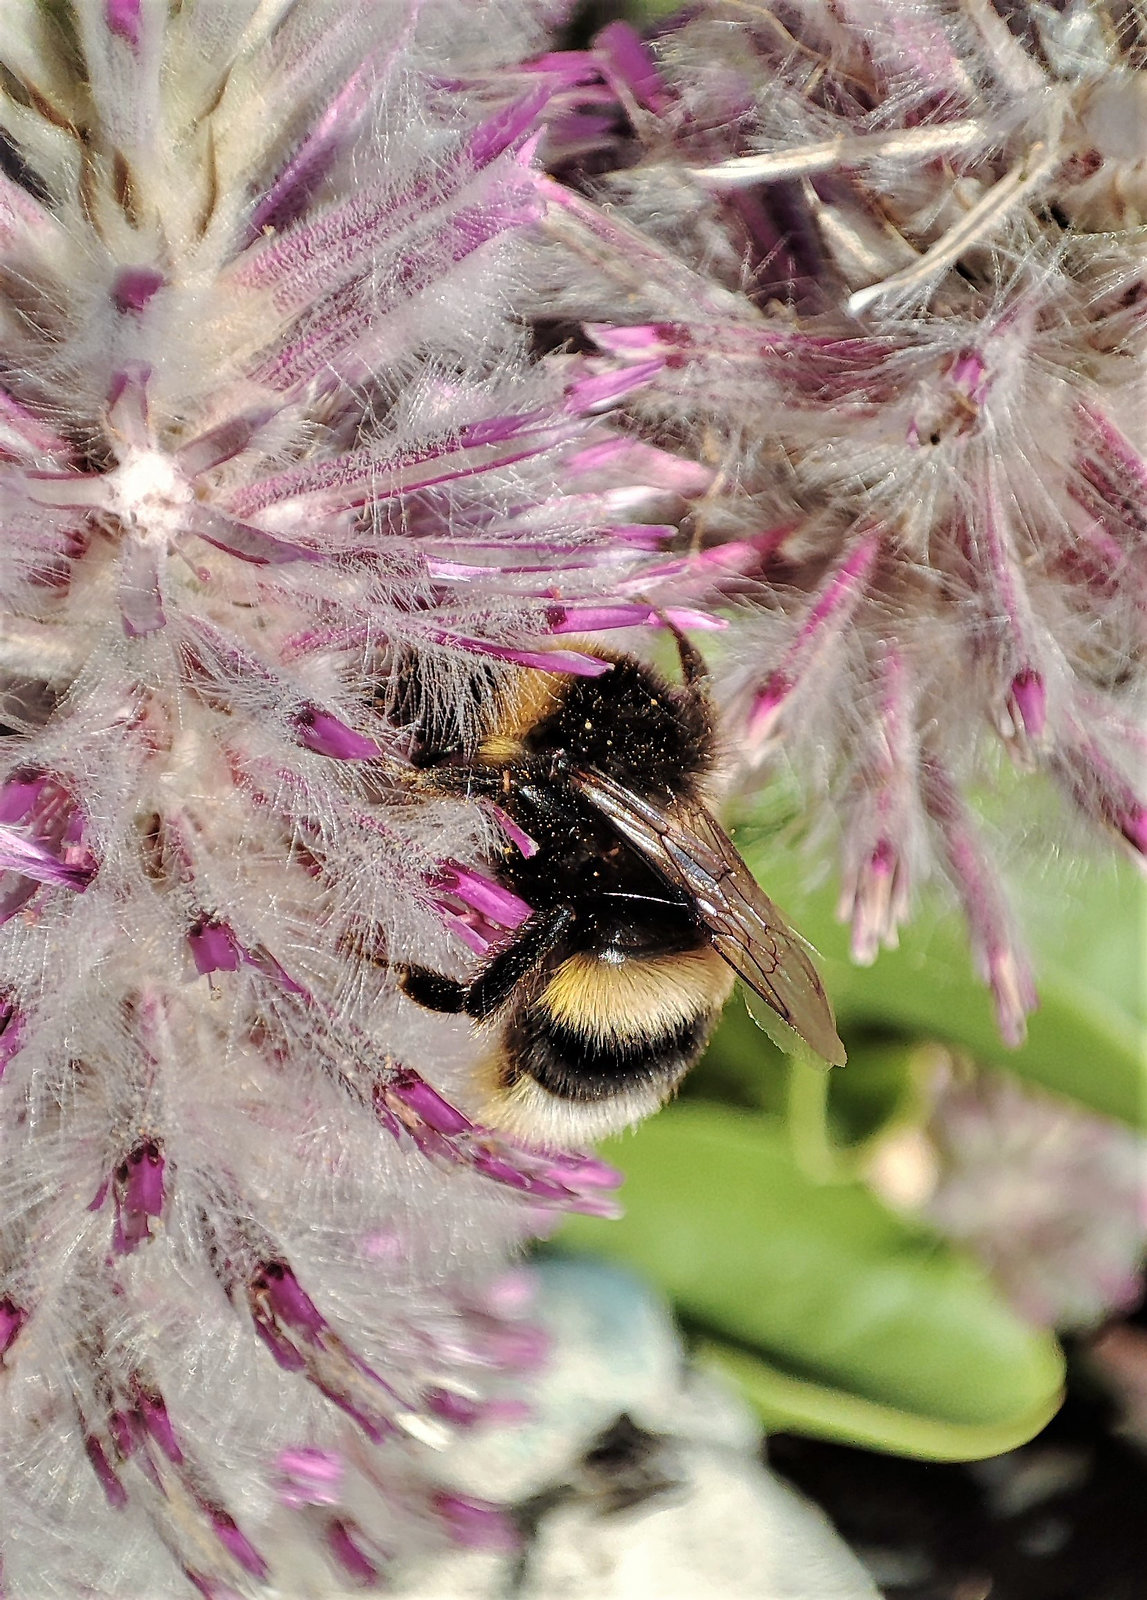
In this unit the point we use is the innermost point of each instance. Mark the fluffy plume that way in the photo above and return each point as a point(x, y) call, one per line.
point(271, 451)
point(890, 261)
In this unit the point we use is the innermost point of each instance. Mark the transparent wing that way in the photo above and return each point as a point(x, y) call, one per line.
point(694, 853)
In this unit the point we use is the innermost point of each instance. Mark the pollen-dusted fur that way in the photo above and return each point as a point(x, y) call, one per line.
point(614, 1000)
point(527, 700)
point(523, 1108)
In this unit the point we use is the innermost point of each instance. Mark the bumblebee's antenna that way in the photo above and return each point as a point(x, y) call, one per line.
point(694, 672)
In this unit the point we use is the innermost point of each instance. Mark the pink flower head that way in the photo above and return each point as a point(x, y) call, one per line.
point(899, 303)
point(274, 448)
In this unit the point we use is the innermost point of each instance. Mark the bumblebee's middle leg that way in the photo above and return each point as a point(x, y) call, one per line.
point(497, 980)
point(533, 942)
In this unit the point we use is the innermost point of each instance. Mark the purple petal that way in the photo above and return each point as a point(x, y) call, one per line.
point(340, 1538)
point(281, 1348)
point(833, 607)
point(658, 468)
point(12, 1319)
point(875, 879)
point(22, 434)
point(516, 1347)
point(968, 373)
point(644, 339)
point(377, 1428)
point(548, 660)
point(121, 1427)
point(330, 134)
point(629, 65)
point(468, 927)
point(221, 443)
point(477, 1524)
point(123, 18)
point(506, 127)
point(102, 1467)
point(327, 335)
point(363, 477)
point(462, 1410)
point(153, 1414)
point(140, 594)
point(32, 860)
point(603, 390)
point(20, 794)
point(427, 1104)
point(214, 948)
point(594, 619)
point(61, 491)
point(496, 430)
point(642, 535)
point(139, 1195)
point(1027, 701)
point(134, 287)
point(585, 1171)
point(1130, 465)
point(276, 1287)
point(874, 898)
point(237, 1544)
point(1100, 788)
point(128, 409)
point(999, 576)
point(472, 888)
point(1001, 961)
point(263, 961)
point(735, 556)
point(243, 541)
point(210, 1588)
point(506, 1171)
point(324, 734)
point(517, 836)
point(310, 1477)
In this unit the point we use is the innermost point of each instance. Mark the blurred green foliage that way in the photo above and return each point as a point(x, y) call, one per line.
point(746, 1203)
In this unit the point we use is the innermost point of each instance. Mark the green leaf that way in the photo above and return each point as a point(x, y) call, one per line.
point(837, 1296)
point(795, 1405)
point(880, 1087)
point(1087, 1040)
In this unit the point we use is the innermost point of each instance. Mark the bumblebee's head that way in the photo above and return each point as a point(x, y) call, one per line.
point(630, 723)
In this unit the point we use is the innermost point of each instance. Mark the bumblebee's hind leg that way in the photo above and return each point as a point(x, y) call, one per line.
point(432, 990)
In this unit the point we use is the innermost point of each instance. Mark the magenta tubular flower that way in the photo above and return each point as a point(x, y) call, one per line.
point(883, 269)
point(272, 446)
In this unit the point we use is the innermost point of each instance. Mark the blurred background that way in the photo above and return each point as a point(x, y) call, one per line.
point(924, 1270)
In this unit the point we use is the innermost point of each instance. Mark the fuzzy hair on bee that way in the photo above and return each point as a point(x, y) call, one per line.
point(643, 912)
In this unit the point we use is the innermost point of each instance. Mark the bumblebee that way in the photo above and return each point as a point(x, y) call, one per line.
point(643, 911)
